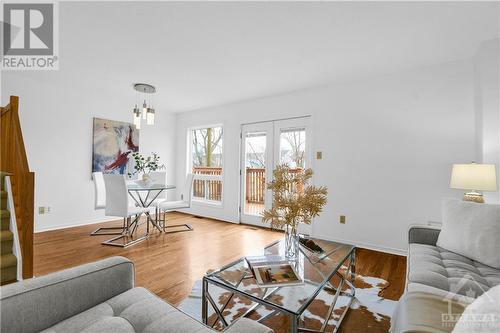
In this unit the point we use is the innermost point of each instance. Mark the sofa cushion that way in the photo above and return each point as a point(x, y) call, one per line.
point(109, 325)
point(439, 268)
point(136, 310)
point(472, 230)
point(423, 312)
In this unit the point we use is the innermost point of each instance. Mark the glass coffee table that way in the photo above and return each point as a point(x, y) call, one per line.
point(331, 271)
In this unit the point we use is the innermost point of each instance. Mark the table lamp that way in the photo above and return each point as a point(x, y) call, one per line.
point(474, 178)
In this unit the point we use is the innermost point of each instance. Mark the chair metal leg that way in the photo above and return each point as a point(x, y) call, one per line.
point(102, 230)
point(126, 234)
point(165, 226)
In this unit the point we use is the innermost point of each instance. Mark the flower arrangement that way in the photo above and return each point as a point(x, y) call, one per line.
point(145, 165)
point(294, 202)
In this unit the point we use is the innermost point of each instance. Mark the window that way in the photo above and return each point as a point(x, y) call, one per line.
point(292, 147)
point(206, 162)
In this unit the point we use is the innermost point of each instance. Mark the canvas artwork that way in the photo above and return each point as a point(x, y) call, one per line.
point(113, 145)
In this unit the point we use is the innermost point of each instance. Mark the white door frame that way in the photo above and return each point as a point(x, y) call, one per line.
point(273, 129)
point(299, 123)
point(266, 127)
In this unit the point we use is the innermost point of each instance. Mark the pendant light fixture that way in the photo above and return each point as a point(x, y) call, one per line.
point(145, 93)
point(150, 118)
point(137, 117)
point(144, 110)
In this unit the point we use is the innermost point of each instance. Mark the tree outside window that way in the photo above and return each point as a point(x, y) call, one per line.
point(207, 160)
point(292, 147)
point(207, 147)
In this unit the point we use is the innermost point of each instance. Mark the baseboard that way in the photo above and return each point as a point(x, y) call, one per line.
point(103, 220)
point(364, 245)
point(81, 224)
point(209, 216)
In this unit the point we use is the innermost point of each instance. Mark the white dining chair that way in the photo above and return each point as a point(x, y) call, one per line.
point(185, 202)
point(158, 177)
point(100, 203)
point(117, 204)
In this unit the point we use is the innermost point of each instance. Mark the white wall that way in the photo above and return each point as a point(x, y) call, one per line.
point(388, 144)
point(56, 110)
point(487, 107)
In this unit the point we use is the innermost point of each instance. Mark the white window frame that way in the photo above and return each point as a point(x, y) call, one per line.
point(189, 164)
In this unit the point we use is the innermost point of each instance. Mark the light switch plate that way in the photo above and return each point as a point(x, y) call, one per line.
point(319, 155)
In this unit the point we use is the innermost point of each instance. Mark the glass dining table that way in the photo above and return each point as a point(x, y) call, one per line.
point(145, 194)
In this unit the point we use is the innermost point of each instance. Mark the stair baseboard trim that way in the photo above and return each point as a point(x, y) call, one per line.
point(16, 249)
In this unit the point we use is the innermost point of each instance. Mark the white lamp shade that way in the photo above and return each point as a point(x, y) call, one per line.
point(137, 119)
point(480, 177)
point(150, 119)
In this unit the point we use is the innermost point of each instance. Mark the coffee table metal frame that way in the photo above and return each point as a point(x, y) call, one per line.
point(295, 316)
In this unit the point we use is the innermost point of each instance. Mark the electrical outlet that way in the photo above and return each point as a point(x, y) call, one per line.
point(342, 219)
point(319, 155)
point(43, 210)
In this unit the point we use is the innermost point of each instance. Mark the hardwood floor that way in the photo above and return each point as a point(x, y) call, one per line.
point(169, 264)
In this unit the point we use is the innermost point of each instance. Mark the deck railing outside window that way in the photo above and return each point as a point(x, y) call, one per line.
point(255, 185)
point(208, 183)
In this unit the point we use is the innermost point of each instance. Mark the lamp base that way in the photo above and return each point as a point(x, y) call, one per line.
point(474, 197)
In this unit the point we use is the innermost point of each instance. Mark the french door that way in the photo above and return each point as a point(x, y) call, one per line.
point(263, 146)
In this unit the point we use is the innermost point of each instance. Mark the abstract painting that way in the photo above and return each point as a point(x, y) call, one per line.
point(113, 145)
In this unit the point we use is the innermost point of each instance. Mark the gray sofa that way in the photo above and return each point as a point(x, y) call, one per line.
point(97, 297)
point(438, 282)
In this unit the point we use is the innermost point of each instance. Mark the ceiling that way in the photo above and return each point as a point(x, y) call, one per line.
point(201, 54)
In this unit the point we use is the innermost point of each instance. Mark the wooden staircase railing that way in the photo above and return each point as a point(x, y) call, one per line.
point(13, 159)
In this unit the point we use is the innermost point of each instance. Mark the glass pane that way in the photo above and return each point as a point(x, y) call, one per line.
point(255, 171)
point(207, 147)
point(207, 160)
point(292, 147)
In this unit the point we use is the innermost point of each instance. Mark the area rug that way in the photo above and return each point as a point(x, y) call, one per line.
point(369, 311)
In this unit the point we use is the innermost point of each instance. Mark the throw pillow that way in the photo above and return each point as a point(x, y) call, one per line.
point(482, 315)
point(472, 230)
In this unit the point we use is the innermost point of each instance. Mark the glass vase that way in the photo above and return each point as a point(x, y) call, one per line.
point(291, 242)
point(146, 179)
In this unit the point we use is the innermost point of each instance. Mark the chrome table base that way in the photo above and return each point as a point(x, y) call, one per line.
point(126, 234)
